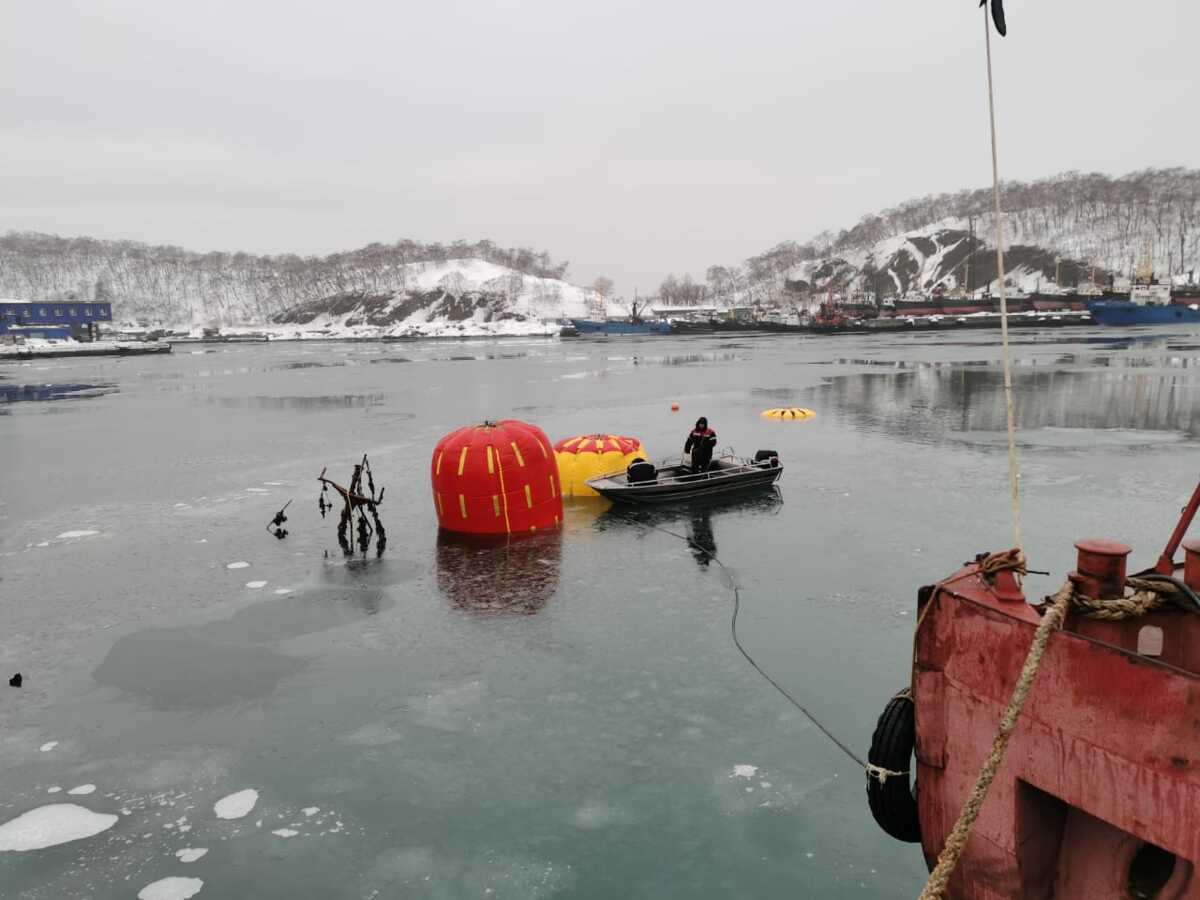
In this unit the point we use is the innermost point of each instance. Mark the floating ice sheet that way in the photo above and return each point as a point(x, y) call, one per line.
point(49, 826)
point(173, 888)
point(235, 806)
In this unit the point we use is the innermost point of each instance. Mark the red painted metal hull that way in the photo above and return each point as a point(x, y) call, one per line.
point(1106, 754)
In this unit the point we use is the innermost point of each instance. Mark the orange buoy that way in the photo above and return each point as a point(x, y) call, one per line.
point(589, 455)
point(496, 478)
point(674, 407)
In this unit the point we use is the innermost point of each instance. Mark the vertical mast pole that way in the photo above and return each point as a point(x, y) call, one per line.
point(1014, 473)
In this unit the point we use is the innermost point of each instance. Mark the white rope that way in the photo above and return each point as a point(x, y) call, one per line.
point(1014, 472)
point(880, 774)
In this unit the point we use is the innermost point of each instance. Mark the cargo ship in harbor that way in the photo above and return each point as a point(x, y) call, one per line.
point(602, 324)
point(619, 326)
point(1149, 303)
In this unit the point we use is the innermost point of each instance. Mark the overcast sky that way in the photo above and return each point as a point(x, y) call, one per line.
point(631, 138)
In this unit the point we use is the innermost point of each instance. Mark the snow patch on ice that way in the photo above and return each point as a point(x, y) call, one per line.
point(82, 790)
point(237, 805)
point(190, 854)
point(173, 888)
point(744, 771)
point(49, 826)
point(240, 564)
point(285, 832)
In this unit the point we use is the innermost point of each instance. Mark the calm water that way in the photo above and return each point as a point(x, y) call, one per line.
point(564, 718)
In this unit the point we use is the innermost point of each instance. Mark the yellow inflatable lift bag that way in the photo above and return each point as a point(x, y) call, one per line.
point(788, 412)
point(588, 455)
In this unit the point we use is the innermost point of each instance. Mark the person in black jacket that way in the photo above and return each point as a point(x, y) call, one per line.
point(701, 443)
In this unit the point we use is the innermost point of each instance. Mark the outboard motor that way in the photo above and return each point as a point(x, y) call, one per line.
point(770, 457)
point(641, 472)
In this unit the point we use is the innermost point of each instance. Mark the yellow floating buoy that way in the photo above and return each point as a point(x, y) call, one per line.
point(788, 412)
point(588, 455)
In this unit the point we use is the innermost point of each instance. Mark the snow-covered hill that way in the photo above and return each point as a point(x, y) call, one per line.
point(1096, 225)
point(457, 296)
point(943, 254)
point(398, 288)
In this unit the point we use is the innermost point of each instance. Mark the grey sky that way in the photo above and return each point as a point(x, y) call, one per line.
point(632, 138)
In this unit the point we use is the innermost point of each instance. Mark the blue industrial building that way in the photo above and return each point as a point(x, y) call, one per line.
point(51, 318)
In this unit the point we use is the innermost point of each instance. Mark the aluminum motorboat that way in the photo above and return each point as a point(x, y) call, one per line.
point(673, 479)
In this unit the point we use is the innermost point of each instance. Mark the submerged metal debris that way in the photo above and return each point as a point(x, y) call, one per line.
point(275, 526)
point(356, 505)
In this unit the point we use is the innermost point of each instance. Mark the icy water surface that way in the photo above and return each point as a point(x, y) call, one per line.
point(567, 717)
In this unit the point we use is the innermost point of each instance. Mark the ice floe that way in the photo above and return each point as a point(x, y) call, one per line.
point(256, 584)
point(744, 771)
point(240, 564)
point(190, 854)
point(53, 790)
point(285, 832)
point(48, 746)
point(237, 805)
point(81, 533)
point(173, 888)
point(311, 810)
point(82, 790)
point(282, 591)
point(49, 826)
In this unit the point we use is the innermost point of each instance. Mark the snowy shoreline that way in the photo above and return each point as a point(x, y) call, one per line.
point(52, 349)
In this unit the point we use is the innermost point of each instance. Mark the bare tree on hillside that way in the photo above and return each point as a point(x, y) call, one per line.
point(603, 286)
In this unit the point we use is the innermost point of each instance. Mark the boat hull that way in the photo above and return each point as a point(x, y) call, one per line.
point(673, 489)
point(1102, 761)
point(1126, 313)
point(592, 326)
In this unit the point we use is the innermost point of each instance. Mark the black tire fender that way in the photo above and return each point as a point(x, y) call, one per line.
point(892, 797)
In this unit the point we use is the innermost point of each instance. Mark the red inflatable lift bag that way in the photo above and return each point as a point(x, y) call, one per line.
point(496, 478)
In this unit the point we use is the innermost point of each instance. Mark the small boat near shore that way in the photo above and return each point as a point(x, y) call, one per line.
point(672, 481)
